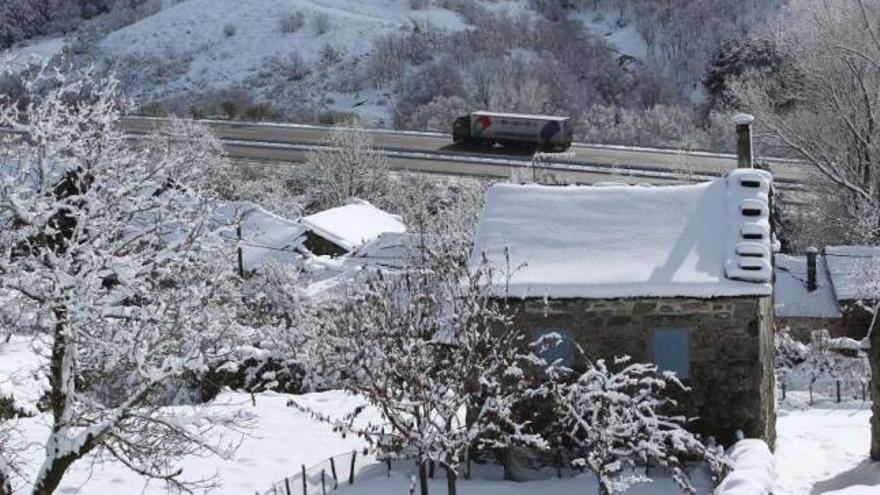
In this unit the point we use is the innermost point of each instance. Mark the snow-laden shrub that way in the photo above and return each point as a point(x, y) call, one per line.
point(321, 23)
point(292, 22)
point(431, 81)
point(290, 67)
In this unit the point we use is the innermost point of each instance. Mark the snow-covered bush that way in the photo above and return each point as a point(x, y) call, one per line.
point(431, 81)
point(354, 168)
point(321, 23)
point(292, 22)
point(615, 421)
point(290, 67)
point(108, 243)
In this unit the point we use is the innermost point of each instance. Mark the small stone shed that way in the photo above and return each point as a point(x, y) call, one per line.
point(676, 275)
point(830, 289)
point(344, 229)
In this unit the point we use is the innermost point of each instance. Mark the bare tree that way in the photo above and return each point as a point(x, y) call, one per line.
point(833, 124)
point(110, 245)
point(440, 362)
point(351, 168)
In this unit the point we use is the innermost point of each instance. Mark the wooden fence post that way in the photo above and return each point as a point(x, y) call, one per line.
point(354, 454)
point(305, 487)
point(837, 385)
point(287, 485)
point(323, 486)
point(783, 390)
point(333, 472)
point(388, 463)
point(240, 254)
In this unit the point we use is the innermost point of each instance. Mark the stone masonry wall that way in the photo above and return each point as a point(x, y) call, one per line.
point(731, 341)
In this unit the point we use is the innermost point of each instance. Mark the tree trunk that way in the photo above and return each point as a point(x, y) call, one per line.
point(53, 471)
point(423, 477)
point(874, 357)
point(451, 478)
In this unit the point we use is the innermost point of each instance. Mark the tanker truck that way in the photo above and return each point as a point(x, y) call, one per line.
point(540, 132)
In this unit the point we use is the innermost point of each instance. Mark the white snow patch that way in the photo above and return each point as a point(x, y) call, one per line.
point(753, 472)
point(22, 371)
point(825, 450)
point(625, 39)
point(37, 49)
point(281, 440)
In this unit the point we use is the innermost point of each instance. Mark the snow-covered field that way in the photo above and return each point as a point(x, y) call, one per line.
point(279, 441)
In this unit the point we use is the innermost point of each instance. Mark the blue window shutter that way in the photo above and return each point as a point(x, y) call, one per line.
point(672, 351)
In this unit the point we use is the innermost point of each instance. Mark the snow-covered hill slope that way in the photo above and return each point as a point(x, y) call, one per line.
point(221, 44)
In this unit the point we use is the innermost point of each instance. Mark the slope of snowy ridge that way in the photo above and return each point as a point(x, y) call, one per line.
point(195, 29)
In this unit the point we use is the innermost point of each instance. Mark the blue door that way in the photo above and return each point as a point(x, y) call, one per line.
point(672, 351)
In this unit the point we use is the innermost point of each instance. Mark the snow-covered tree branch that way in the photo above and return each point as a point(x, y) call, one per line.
point(110, 244)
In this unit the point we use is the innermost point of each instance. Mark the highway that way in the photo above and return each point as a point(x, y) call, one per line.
point(436, 153)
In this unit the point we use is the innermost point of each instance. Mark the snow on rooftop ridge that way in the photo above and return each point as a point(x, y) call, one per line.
point(748, 209)
point(621, 242)
point(353, 224)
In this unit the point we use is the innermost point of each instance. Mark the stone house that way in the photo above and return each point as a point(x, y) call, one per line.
point(680, 276)
point(830, 289)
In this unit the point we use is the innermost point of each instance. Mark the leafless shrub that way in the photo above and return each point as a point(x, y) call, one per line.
point(321, 23)
point(292, 22)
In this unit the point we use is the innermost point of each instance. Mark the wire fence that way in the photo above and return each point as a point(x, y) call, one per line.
point(330, 475)
point(837, 390)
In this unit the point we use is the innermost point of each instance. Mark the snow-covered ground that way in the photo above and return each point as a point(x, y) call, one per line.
point(280, 440)
point(819, 450)
point(824, 449)
point(35, 49)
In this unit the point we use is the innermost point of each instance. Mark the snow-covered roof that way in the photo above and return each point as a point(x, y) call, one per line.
point(265, 236)
point(704, 240)
point(352, 225)
point(389, 249)
point(854, 271)
point(790, 294)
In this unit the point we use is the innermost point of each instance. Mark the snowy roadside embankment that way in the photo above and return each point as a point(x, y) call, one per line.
point(754, 469)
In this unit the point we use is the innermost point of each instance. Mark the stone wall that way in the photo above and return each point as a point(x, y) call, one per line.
point(731, 340)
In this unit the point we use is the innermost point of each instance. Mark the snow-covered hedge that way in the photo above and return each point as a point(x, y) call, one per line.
point(754, 469)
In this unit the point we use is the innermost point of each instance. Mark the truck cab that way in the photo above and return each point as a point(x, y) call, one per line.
point(461, 129)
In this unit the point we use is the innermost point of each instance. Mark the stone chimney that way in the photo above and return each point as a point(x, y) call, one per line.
point(744, 157)
point(812, 254)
